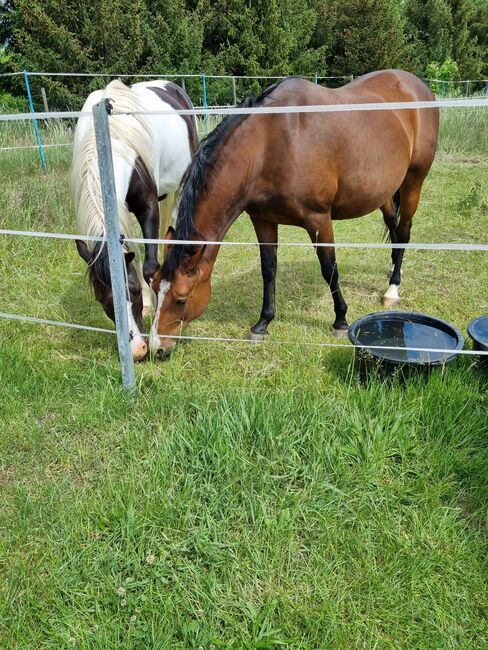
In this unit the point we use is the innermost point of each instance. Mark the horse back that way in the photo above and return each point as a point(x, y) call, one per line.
point(350, 160)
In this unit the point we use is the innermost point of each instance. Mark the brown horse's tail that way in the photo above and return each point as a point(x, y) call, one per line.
point(395, 213)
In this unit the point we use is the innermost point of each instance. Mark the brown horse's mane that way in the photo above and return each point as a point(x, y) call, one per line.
point(195, 181)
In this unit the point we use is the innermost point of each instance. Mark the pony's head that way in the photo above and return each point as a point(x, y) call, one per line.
point(99, 274)
point(183, 289)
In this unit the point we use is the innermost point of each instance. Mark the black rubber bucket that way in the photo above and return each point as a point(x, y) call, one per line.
point(478, 331)
point(386, 338)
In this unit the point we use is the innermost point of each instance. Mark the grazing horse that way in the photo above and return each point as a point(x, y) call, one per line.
point(150, 156)
point(302, 169)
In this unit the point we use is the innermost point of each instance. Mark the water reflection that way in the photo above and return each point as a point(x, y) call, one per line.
point(406, 334)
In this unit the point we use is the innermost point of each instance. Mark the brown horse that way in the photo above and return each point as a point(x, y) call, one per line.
point(302, 169)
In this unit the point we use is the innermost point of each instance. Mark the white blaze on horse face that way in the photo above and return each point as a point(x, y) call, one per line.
point(154, 341)
point(137, 345)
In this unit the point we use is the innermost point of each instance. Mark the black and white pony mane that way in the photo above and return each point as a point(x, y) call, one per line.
point(131, 140)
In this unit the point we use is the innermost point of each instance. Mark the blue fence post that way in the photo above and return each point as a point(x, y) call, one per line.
point(115, 251)
point(204, 82)
point(36, 128)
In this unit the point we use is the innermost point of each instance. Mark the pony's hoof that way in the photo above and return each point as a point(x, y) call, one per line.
point(255, 337)
point(339, 333)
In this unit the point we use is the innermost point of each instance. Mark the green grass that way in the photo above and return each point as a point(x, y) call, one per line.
point(248, 496)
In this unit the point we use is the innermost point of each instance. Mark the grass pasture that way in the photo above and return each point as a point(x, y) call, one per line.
point(248, 496)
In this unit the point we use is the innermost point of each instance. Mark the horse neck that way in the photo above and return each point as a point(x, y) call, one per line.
point(224, 199)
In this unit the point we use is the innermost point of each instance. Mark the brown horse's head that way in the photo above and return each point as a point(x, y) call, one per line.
point(183, 288)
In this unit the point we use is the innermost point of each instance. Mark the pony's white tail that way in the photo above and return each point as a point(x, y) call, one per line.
point(167, 214)
point(131, 138)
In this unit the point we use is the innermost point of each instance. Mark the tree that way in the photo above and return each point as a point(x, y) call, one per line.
point(428, 28)
point(120, 37)
point(479, 27)
point(369, 36)
point(464, 50)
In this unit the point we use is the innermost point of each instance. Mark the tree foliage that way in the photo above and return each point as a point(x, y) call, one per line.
point(239, 37)
point(369, 36)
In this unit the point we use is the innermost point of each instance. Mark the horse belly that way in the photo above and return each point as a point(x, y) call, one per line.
point(172, 153)
point(368, 178)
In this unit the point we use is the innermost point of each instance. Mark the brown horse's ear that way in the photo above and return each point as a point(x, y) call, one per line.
point(169, 235)
point(83, 251)
point(192, 263)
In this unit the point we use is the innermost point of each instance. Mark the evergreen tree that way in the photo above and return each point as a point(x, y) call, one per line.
point(238, 37)
point(120, 37)
point(479, 29)
point(369, 37)
point(429, 28)
point(464, 50)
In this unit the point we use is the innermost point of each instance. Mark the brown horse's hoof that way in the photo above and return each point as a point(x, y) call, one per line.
point(389, 302)
point(255, 338)
point(339, 334)
point(391, 297)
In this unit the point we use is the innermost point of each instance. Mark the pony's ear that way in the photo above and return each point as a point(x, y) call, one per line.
point(169, 235)
point(129, 257)
point(83, 251)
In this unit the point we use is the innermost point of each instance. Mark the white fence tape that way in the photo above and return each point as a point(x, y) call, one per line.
point(447, 246)
point(223, 339)
point(320, 108)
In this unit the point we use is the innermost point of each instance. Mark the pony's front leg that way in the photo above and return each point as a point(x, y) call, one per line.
point(326, 254)
point(148, 218)
point(267, 234)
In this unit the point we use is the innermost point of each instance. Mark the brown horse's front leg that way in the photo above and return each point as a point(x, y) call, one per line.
point(328, 265)
point(267, 234)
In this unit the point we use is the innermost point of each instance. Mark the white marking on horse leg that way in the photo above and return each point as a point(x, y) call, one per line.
point(148, 299)
point(391, 297)
point(154, 341)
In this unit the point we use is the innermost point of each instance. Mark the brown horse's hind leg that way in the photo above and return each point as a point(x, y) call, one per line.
point(391, 214)
point(326, 254)
point(409, 200)
point(267, 234)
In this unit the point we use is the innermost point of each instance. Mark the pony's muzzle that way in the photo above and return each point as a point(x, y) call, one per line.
point(138, 348)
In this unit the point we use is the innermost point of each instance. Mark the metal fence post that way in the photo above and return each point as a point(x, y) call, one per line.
point(204, 82)
point(234, 91)
point(36, 128)
point(115, 251)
